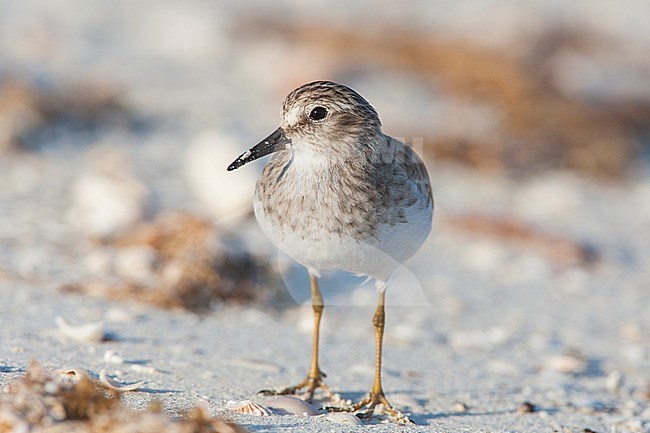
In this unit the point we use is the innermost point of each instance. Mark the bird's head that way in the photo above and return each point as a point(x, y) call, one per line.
point(317, 118)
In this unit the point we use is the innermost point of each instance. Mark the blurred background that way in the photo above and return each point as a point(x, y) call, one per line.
point(117, 122)
point(118, 118)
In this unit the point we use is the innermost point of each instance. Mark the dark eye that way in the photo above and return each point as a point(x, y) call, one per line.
point(318, 113)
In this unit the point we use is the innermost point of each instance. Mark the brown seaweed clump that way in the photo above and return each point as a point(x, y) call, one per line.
point(176, 261)
point(42, 403)
point(28, 110)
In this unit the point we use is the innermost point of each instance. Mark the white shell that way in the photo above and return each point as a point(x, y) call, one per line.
point(248, 407)
point(111, 384)
point(288, 405)
point(343, 418)
point(87, 333)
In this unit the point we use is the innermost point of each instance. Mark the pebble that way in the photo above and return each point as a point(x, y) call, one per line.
point(564, 363)
point(527, 407)
point(460, 407)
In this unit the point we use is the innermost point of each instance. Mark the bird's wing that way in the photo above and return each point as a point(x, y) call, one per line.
point(411, 168)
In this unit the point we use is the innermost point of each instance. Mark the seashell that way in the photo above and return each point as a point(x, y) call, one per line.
point(111, 384)
point(342, 418)
point(288, 405)
point(76, 373)
point(87, 333)
point(248, 407)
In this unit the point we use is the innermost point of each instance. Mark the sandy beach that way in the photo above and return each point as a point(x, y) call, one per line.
point(526, 310)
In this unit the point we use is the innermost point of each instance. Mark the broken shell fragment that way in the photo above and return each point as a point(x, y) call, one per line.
point(111, 384)
point(248, 407)
point(86, 333)
point(76, 373)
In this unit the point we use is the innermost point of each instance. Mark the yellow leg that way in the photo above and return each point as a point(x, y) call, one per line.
point(376, 395)
point(314, 379)
point(379, 322)
point(317, 304)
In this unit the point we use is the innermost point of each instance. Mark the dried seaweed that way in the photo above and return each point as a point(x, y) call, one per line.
point(560, 250)
point(27, 110)
point(191, 269)
point(42, 402)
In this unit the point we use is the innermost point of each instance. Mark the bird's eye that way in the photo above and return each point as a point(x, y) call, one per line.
point(318, 113)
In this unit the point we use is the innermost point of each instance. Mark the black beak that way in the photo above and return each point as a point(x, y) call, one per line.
point(273, 143)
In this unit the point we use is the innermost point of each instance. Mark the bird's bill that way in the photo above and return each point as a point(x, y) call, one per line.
point(273, 143)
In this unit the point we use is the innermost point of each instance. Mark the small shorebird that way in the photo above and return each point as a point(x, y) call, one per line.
point(340, 194)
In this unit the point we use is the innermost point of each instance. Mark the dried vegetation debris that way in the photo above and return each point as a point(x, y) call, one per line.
point(27, 109)
point(42, 402)
point(176, 260)
point(540, 120)
point(561, 251)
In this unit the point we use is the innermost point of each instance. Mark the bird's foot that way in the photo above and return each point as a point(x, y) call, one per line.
point(374, 403)
point(310, 385)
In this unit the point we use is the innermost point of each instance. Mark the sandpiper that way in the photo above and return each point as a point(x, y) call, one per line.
point(340, 194)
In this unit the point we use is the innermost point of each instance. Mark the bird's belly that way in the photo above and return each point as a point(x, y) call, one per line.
point(323, 247)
